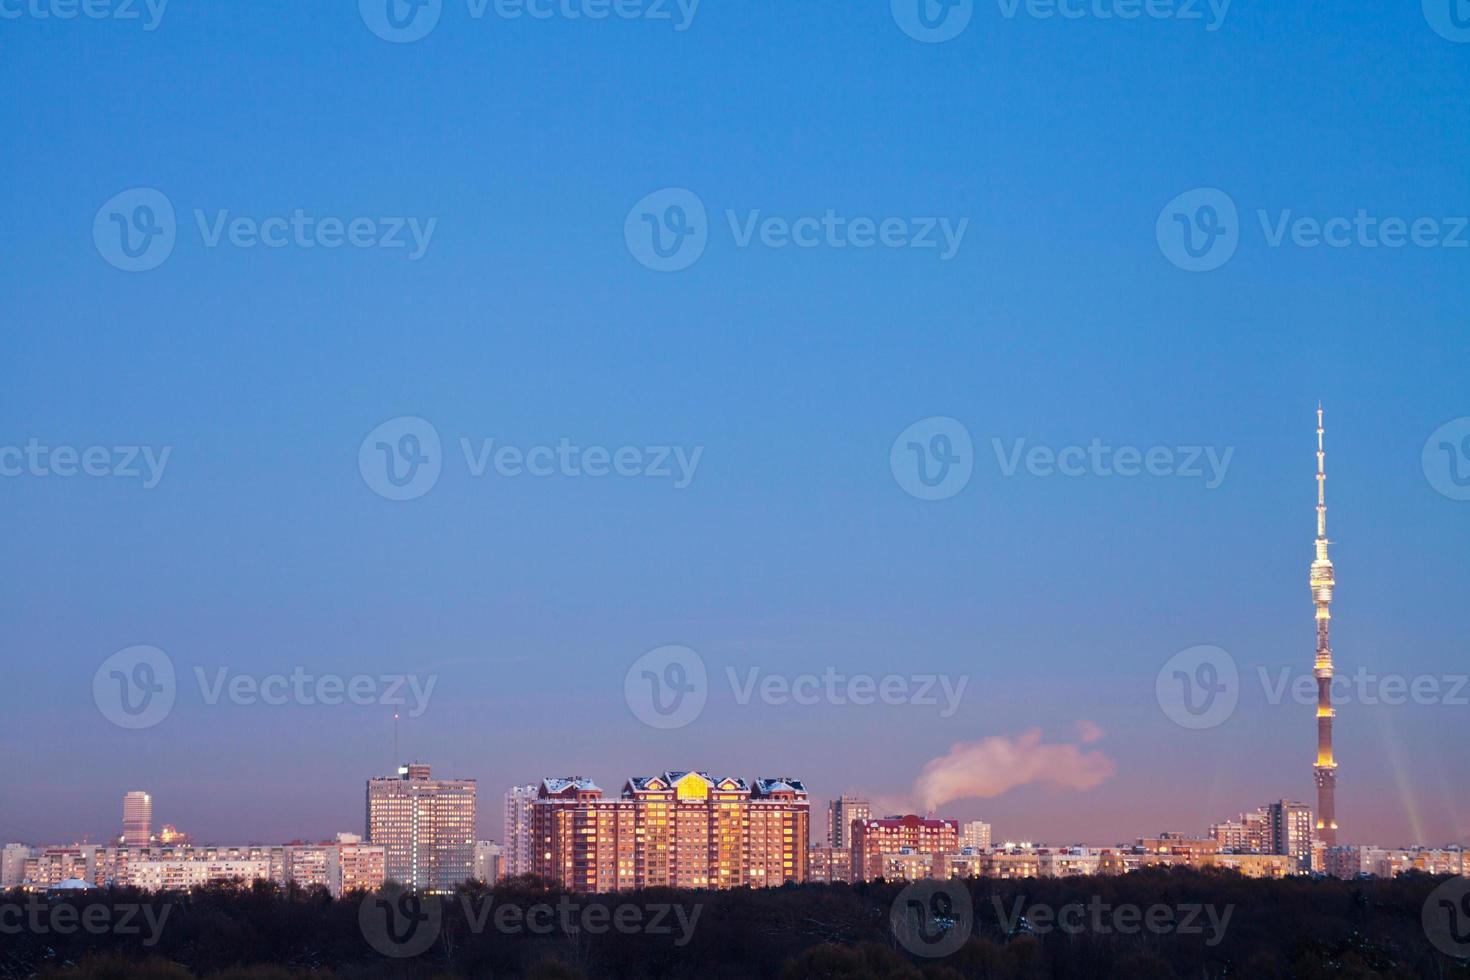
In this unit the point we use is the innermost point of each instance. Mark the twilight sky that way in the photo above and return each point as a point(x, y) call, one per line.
point(1062, 317)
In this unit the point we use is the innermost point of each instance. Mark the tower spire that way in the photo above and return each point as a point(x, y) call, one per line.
point(1323, 580)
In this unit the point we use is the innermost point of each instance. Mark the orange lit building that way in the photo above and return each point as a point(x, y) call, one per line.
point(680, 829)
point(872, 839)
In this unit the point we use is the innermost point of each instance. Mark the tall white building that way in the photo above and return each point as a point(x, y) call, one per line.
point(515, 846)
point(487, 861)
point(137, 818)
point(13, 864)
point(975, 834)
point(426, 827)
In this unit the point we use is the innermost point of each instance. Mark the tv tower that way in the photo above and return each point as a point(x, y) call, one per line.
point(1323, 581)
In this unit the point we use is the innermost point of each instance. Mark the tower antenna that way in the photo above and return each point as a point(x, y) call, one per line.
point(1323, 580)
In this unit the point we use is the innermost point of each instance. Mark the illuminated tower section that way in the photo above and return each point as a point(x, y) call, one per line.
point(1322, 585)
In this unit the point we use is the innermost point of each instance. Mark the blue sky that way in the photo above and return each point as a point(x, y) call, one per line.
point(527, 320)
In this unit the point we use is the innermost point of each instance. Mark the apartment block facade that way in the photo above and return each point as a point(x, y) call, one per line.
point(426, 827)
point(874, 840)
point(682, 829)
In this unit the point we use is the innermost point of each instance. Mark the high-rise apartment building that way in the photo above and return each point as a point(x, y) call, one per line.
point(1249, 833)
point(680, 829)
point(488, 856)
point(841, 812)
point(975, 834)
point(1292, 832)
point(13, 864)
point(426, 827)
point(873, 839)
point(354, 866)
point(515, 845)
point(137, 819)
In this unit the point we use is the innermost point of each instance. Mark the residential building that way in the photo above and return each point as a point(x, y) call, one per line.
point(685, 829)
point(975, 834)
point(828, 864)
point(515, 845)
point(872, 839)
point(488, 856)
point(841, 813)
point(13, 864)
point(426, 827)
point(1292, 832)
point(137, 819)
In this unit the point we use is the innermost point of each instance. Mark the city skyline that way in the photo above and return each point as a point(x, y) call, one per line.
point(251, 542)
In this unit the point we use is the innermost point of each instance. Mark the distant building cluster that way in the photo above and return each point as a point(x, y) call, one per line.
point(681, 829)
point(341, 866)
